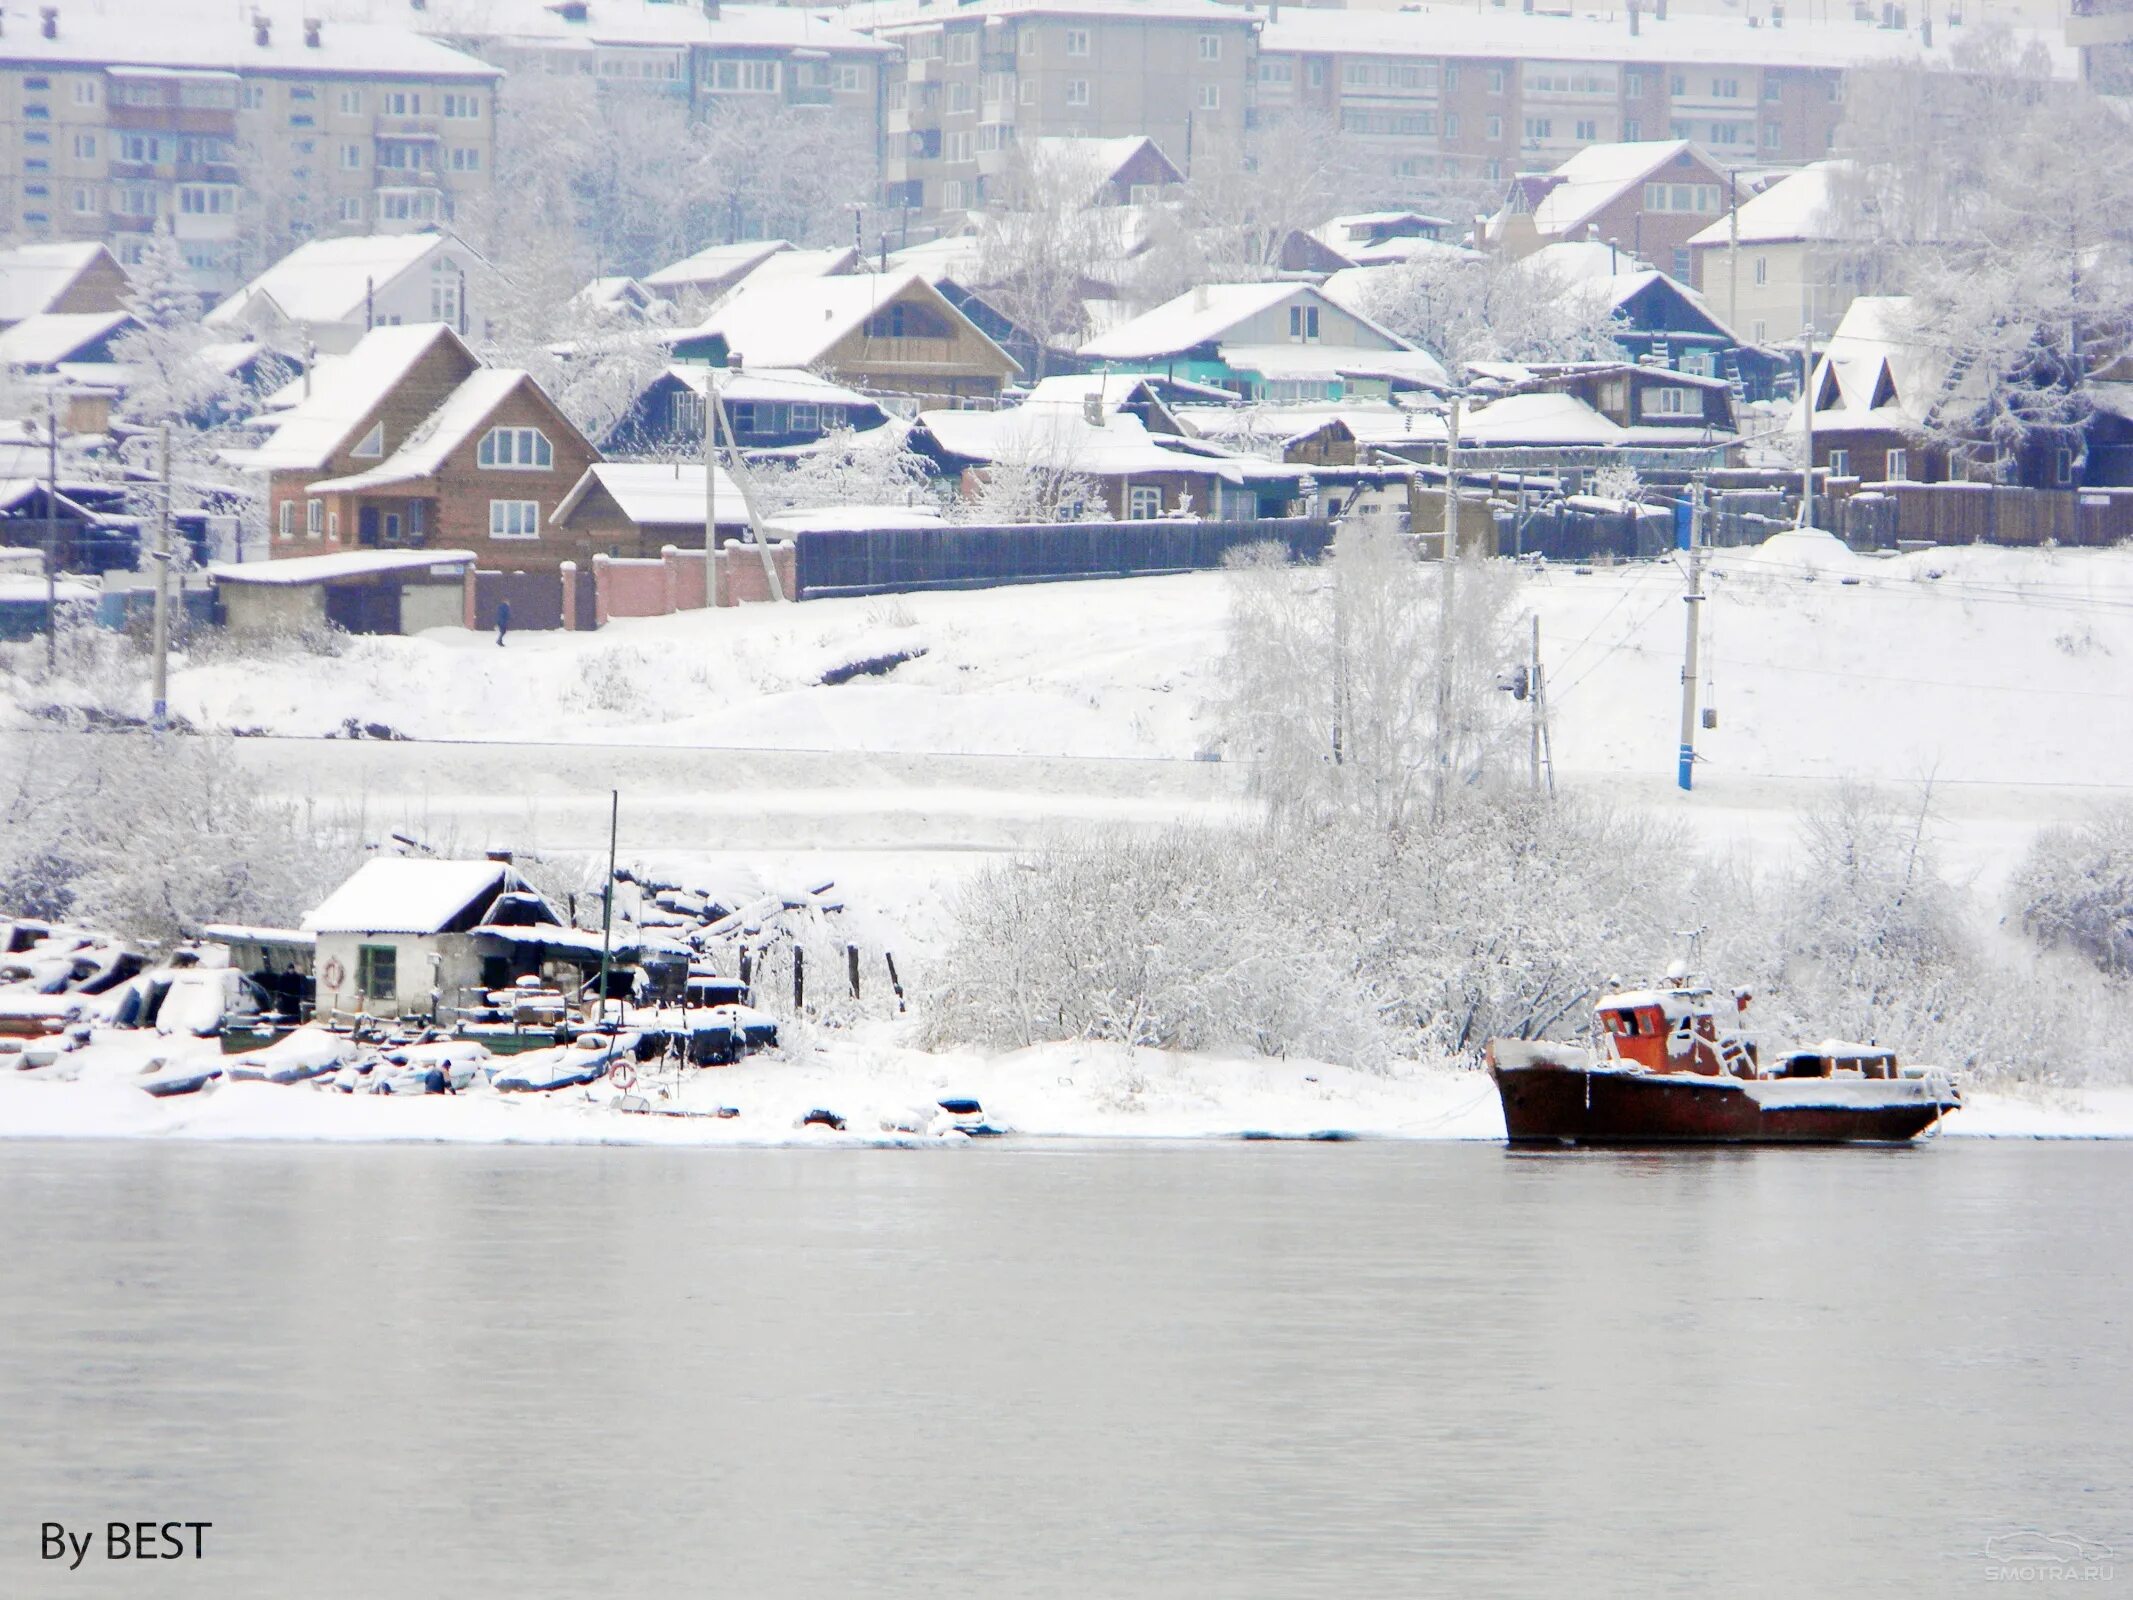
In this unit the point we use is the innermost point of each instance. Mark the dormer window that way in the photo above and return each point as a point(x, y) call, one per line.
point(515, 447)
point(372, 444)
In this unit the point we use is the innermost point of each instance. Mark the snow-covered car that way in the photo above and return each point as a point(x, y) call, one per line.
point(307, 1053)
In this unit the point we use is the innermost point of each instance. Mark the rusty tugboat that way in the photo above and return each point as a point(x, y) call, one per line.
point(1669, 1070)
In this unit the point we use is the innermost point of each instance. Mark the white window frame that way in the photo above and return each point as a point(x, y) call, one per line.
point(1144, 502)
point(1210, 97)
point(288, 519)
point(314, 518)
point(1897, 469)
point(515, 449)
point(1077, 91)
point(1077, 41)
point(514, 519)
point(372, 444)
point(1210, 47)
point(1840, 463)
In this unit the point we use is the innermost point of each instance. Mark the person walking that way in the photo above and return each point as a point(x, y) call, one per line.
point(503, 621)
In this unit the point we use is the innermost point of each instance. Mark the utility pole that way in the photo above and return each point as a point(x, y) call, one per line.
point(1447, 568)
point(1694, 600)
point(710, 485)
point(1533, 702)
point(1807, 423)
point(607, 895)
point(1733, 248)
point(51, 534)
point(160, 717)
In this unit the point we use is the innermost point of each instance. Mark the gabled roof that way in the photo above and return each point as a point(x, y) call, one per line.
point(1104, 158)
point(1600, 174)
point(1062, 438)
point(345, 393)
point(1610, 279)
point(444, 430)
point(329, 280)
point(1794, 209)
point(775, 384)
point(33, 277)
point(218, 38)
point(1877, 375)
point(796, 323)
point(664, 494)
point(404, 894)
point(715, 266)
point(50, 337)
point(1334, 361)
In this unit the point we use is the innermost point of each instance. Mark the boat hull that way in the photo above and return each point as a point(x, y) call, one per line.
point(1564, 1104)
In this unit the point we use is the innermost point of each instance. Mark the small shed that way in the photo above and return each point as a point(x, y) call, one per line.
point(358, 591)
point(409, 936)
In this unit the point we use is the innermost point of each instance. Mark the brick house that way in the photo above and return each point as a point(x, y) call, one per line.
point(409, 441)
point(1649, 198)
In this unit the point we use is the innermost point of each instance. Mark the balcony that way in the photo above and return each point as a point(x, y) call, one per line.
point(407, 128)
point(996, 61)
point(807, 94)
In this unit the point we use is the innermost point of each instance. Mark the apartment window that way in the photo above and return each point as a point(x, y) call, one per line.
point(1762, 271)
point(1587, 130)
point(351, 208)
point(1840, 463)
point(1026, 91)
point(37, 113)
point(351, 102)
point(1677, 130)
point(1898, 469)
point(377, 971)
point(1724, 133)
point(1451, 79)
point(85, 147)
point(465, 158)
point(1495, 127)
point(1773, 88)
point(395, 102)
point(314, 518)
point(846, 79)
point(1725, 88)
point(513, 447)
point(1677, 85)
point(136, 200)
point(1077, 41)
point(1539, 128)
point(252, 96)
point(1633, 85)
point(301, 119)
point(1493, 171)
point(1495, 80)
point(1210, 97)
point(463, 107)
point(1758, 331)
point(962, 48)
point(1315, 74)
point(960, 101)
point(351, 157)
point(514, 519)
point(960, 145)
point(1632, 130)
point(36, 164)
point(1451, 124)
point(1210, 47)
point(1077, 91)
point(206, 200)
point(1026, 42)
point(400, 206)
point(87, 200)
point(85, 91)
point(372, 444)
point(1143, 502)
point(140, 147)
point(1303, 324)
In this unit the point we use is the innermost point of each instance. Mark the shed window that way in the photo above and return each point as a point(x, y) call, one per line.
point(377, 971)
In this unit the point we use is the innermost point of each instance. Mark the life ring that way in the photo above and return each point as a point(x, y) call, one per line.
point(623, 1076)
point(332, 973)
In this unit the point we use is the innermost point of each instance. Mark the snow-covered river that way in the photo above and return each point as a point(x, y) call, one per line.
point(1069, 1369)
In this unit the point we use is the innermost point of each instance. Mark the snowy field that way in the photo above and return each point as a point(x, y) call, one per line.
point(2005, 678)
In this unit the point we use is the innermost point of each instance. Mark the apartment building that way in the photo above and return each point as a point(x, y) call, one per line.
point(700, 53)
point(2102, 31)
point(973, 80)
point(1440, 94)
point(241, 134)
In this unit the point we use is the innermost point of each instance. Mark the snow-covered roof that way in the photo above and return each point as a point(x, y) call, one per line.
point(50, 337)
point(892, 15)
point(1196, 317)
point(328, 280)
point(954, 255)
point(340, 564)
point(217, 37)
point(1060, 437)
point(797, 322)
point(1522, 419)
point(1794, 208)
point(1875, 356)
point(243, 933)
point(343, 394)
point(788, 265)
point(444, 430)
point(1104, 158)
point(1500, 33)
point(644, 23)
point(852, 519)
point(658, 493)
point(716, 265)
point(407, 894)
point(33, 276)
point(768, 383)
point(1600, 174)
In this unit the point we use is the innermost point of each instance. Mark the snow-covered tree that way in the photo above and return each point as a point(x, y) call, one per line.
point(169, 379)
point(1036, 476)
point(1049, 243)
point(1490, 308)
point(2074, 889)
point(850, 469)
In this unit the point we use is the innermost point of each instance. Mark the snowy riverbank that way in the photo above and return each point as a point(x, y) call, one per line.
point(883, 1091)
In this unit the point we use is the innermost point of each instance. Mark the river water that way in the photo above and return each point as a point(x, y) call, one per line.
point(1103, 1370)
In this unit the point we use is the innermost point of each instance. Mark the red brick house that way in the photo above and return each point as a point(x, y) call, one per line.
point(408, 441)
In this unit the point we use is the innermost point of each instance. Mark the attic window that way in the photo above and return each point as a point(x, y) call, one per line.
point(515, 447)
point(1827, 397)
point(1884, 389)
point(372, 444)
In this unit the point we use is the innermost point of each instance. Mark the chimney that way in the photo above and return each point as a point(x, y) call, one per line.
point(1633, 18)
point(1925, 30)
point(313, 27)
point(262, 30)
point(1777, 14)
point(711, 10)
point(500, 857)
point(50, 16)
point(1658, 10)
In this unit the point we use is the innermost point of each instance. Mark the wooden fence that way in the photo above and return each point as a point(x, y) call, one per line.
point(1884, 514)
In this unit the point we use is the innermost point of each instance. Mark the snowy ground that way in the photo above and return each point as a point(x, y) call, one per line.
point(879, 1085)
point(2005, 677)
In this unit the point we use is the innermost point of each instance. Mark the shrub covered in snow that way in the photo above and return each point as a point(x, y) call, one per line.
point(2074, 890)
